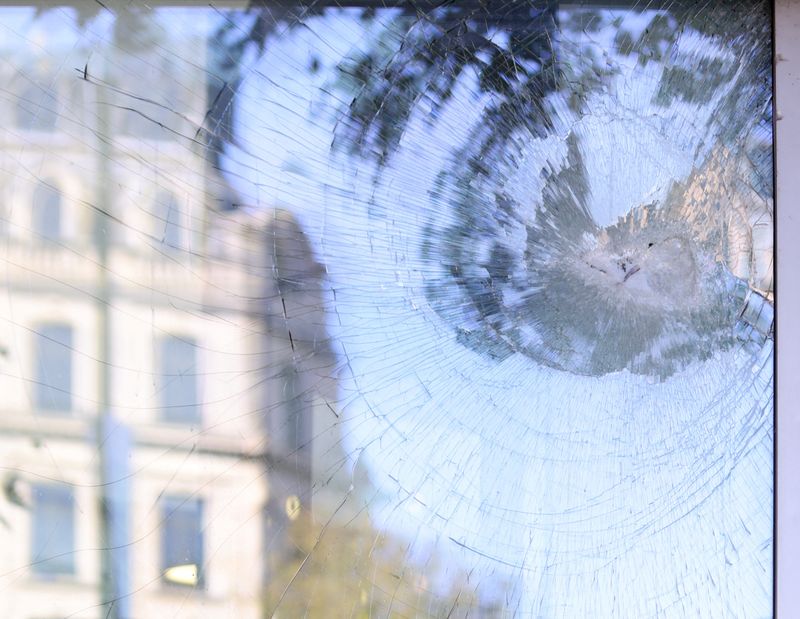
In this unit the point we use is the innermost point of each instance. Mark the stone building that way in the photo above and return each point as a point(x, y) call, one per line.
point(132, 441)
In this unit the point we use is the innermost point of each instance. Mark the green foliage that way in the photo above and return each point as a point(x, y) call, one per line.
point(353, 570)
point(509, 48)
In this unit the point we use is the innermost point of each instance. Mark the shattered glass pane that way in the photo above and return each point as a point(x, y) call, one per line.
point(409, 309)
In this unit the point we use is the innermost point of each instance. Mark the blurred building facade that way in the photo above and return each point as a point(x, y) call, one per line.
point(162, 364)
point(307, 465)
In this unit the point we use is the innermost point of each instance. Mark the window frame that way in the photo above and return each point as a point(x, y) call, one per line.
point(786, 145)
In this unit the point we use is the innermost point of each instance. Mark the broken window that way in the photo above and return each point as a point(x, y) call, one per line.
point(484, 289)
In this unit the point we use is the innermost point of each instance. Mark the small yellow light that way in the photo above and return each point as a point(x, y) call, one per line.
point(293, 507)
point(182, 574)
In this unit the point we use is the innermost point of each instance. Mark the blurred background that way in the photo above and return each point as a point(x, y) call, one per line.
point(171, 439)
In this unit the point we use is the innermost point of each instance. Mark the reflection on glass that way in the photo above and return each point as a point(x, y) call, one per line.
point(53, 388)
point(426, 310)
point(37, 106)
point(182, 541)
point(53, 530)
point(46, 211)
point(168, 219)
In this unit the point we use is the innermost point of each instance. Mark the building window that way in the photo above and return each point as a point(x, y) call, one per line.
point(37, 109)
point(295, 430)
point(53, 355)
point(46, 211)
point(182, 541)
point(53, 530)
point(179, 393)
point(150, 69)
point(168, 220)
